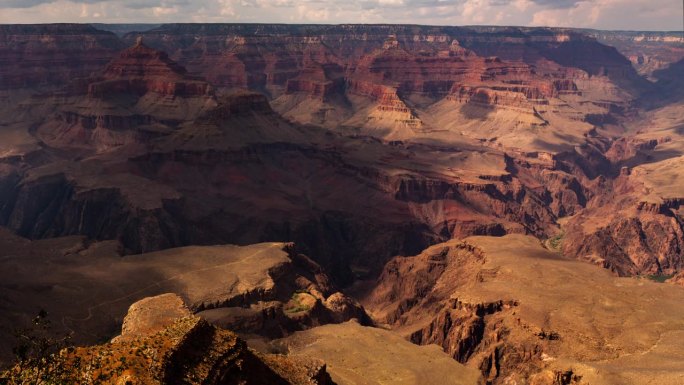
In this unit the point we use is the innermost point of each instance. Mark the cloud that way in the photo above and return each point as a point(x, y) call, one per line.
point(130, 4)
point(601, 14)
point(558, 4)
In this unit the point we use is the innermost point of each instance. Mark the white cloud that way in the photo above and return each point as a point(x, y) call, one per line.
point(391, 2)
point(605, 14)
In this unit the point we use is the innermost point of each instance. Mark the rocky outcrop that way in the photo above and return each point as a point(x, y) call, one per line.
point(139, 96)
point(140, 70)
point(416, 288)
point(487, 302)
point(630, 244)
point(301, 296)
point(460, 328)
point(158, 347)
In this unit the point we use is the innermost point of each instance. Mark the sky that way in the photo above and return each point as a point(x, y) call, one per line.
point(599, 14)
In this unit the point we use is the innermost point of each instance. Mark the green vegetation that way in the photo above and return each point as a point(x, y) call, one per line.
point(41, 359)
point(556, 241)
point(659, 277)
point(296, 303)
point(38, 358)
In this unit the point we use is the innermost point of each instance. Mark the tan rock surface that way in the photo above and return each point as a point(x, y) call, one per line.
point(515, 310)
point(359, 355)
point(151, 315)
point(87, 288)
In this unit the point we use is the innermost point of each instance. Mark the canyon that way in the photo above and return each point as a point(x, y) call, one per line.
point(503, 193)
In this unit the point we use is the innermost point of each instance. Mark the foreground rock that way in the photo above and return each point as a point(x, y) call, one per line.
point(522, 314)
point(163, 343)
point(358, 355)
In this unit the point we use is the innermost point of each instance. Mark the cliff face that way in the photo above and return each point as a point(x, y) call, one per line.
point(414, 135)
point(139, 70)
point(488, 303)
point(384, 79)
point(648, 51)
point(53, 54)
point(139, 95)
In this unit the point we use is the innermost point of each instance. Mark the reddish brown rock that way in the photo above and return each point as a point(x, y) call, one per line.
point(677, 279)
point(158, 347)
point(52, 55)
point(140, 70)
point(494, 304)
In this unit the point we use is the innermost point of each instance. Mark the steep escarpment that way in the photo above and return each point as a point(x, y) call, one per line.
point(629, 236)
point(399, 82)
point(52, 55)
point(487, 302)
point(635, 226)
point(649, 51)
point(51, 203)
point(669, 81)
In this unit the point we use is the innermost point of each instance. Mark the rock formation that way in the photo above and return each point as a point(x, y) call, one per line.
point(139, 95)
point(52, 55)
point(518, 312)
point(359, 144)
point(522, 131)
point(355, 354)
point(163, 343)
point(264, 289)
